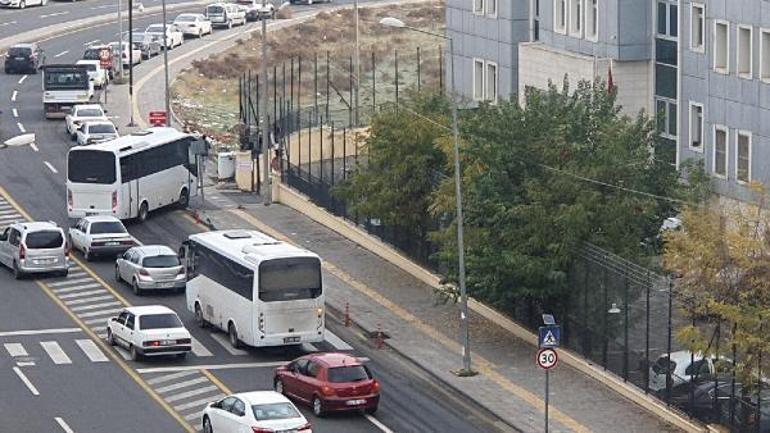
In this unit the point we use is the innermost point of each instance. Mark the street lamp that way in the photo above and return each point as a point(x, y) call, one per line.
point(466, 370)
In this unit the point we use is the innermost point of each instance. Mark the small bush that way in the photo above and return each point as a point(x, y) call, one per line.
point(284, 13)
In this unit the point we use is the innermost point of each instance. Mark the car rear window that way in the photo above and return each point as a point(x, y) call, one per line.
point(185, 19)
point(26, 52)
point(353, 373)
point(44, 239)
point(92, 54)
point(90, 112)
point(159, 321)
point(104, 128)
point(101, 228)
point(160, 262)
point(274, 411)
point(89, 166)
point(215, 9)
point(661, 365)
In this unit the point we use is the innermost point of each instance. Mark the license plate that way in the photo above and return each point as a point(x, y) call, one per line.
point(91, 213)
point(20, 58)
point(168, 342)
point(355, 402)
point(165, 285)
point(291, 339)
point(43, 261)
point(111, 244)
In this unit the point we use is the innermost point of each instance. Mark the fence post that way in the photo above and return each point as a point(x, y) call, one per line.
point(717, 413)
point(344, 155)
point(418, 70)
point(395, 66)
point(315, 83)
point(291, 86)
point(647, 337)
point(299, 148)
point(332, 157)
point(327, 83)
point(374, 84)
point(605, 340)
point(321, 155)
point(309, 147)
point(587, 347)
point(625, 328)
point(275, 100)
point(259, 108)
point(440, 70)
point(299, 83)
point(350, 97)
point(732, 380)
point(668, 348)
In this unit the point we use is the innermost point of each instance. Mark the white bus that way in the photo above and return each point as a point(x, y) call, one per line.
point(262, 292)
point(132, 175)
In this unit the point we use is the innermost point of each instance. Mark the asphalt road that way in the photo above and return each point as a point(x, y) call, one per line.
point(68, 375)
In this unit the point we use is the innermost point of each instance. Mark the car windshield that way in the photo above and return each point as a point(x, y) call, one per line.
point(159, 321)
point(274, 411)
point(89, 112)
point(661, 364)
point(44, 239)
point(104, 227)
point(185, 19)
point(20, 52)
point(353, 373)
point(155, 28)
point(168, 261)
point(101, 128)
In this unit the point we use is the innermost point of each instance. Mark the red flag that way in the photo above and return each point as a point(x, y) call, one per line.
point(610, 82)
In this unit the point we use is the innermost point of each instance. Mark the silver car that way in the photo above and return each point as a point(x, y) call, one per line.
point(34, 247)
point(151, 267)
point(100, 234)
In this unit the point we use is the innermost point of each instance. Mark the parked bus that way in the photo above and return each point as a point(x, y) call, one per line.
point(261, 291)
point(132, 175)
point(63, 87)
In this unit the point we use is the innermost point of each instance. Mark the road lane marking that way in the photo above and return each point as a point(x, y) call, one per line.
point(15, 112)
point(64, 425)
point(91, 350)
point(34, 147)
point(26, 381)
point(194, 415)
point(172, 376)
point(8, 23)
point(21, 127)
point(40, 332)
point(25, 363)
point(79, 288)
point(224, 342)
point(21, 80)
point(336, 341)
point(99, 313)
point(197, 403)
point(65, 52)
point(95, 306)
point(50, 167)
point(87, 300)
point(55, 14)
point(199, 349)
point(55, 352)
point(267, 364)
point(123, 353)
point(184, 395)
point(91, 42)
point(15, 349)
point(180, 385)
point(9, 211)
point(67, 282)
point(14, 95)
point(378, 424)
point(81, 294)
point(99, 320)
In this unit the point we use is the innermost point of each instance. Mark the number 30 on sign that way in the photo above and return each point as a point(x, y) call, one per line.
point(547, 359)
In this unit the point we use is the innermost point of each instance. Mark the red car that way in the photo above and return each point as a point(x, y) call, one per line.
point(329, 382)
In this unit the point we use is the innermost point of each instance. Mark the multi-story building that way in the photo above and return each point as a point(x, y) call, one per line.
point(703, 68)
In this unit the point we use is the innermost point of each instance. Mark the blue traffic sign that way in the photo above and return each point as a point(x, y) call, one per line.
point(549, 336)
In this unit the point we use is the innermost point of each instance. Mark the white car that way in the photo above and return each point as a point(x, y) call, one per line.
point(83, 113)
point(92, 132)
point(100, 234)
point(21, 4)
point(258, 411)
point(125, 54)
point(193, 24)
point(95, 72)
point(174, 36)
point(682, 367)
point(151, 267)
point(152, 330)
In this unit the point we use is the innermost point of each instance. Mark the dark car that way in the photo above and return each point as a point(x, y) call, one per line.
point(96, 52)
point(24, 58)
point(149, 45)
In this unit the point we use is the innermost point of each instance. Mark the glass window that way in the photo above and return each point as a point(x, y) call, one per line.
point(491, 79)
point(696, 126)
point(662, 18)
point(745, 51)
point(668, 19)
point(764, 55)
point(130, 321)
point(161, 262)
point(105, 227)
point(44, 239)
point(239, 408)
point(353, 373)
point(592, 19)
point(666, 117)
point(743, 167)
point(19, 52)
point(478, 79)
point(665, 51)
point(673, 20)
point(159, 321)
point(89, 112)
point(697, 26)
point(14, 238)
point(227, 403)
point(576, 17)
point(721, 46)
point(65, 78)
point(665, 81)
point(313, 369)
point(290, 279)
point(491, 7)
point(560, 16)
point(224, 271)
point(720, 152)
point(91, 166)
point(101, 128)
point(275, 411)
point(122, 318)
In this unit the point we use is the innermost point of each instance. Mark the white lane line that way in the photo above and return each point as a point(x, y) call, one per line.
point(68, 282)
point(336, 341)
point(40, 332)
point(95, 306)
point(123, 353)
point(180, 385)
point(224, 342)
point(15, 349)
point(378, 424)
point(194, 415)
point(94, 8)
point(188, 394)
point(62, 53)
point(15, 112)
point(81, 294)
point(64, 425)
point(9, 217)
point(100, 313)
point(26, 381)
point(34, 146)
point(271, 364)
point(55, 352)
point(199, 349)
point(173, 376)
point(198, 403)
point(55, 14)
point(91, 350)
point(8, 211)
point(21, 80)
point(7, 23)
point(25, 363)
point(91, 42)
point(14, 95)
point(21, 127)
point(88, 300)
point(78, 288)
point(50, 167)
point(97, 321)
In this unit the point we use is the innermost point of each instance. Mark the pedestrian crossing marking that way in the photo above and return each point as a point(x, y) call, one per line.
point(193, 416)
point(224, 342)
point(100, 313)
point(69, 282)
point(199, 349)
point(88, 300)
point(95, 306)
point(336, 341)
point(82, 294)
point(188, 394)
point(180, 385)
point(91, 350)
point(55, 352)
point(77, 288)
point(15, 349)
point(198, 403)
point(169, 377)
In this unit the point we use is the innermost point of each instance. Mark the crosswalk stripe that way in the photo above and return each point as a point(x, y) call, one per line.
point(188, 394)
point(123, 352)
point(96, 306)
point(88, 300)
point(69, 282)
point(91, 350)
point(224, 342)
point(180, 385)
point(15, 349)
point(7, 211)
point(76, 273)
point(10, 217)
point(100, 313)
point(199, 349)
point(336, 341)
point(77, 288)
point(172, 376)
point(55, 352)
point(193, 416)
point(97, 321)
point(81, 294)
point(198, 403)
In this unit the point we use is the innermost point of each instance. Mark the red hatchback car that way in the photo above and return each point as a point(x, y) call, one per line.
point(329, 382)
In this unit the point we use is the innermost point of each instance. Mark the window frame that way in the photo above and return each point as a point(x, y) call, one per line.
point(493, 99)
point(487, 8)
point(738, 57)
point(557, 8)
point(764, 75)
point(717, 69)
point(702, 127)
point(750, 136)
point(726, 130)
point(667, 35)
point(478, 7)
point(586, 12)
point(577, 20)
point(666, 132)
point(477, 61)
point(702, 47)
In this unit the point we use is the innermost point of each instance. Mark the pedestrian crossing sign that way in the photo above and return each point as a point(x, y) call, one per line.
point(549, 336)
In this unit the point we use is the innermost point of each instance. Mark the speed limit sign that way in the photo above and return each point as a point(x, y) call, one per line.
point(547, 359)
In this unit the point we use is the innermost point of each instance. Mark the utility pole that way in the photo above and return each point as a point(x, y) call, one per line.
point(130, 61)
point(264, 129)
point(357, 69)
point(120, 45)
point(165, 64)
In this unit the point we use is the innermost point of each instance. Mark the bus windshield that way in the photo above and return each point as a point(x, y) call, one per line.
point(290, 279)
point(66, 79)
point(91, 166)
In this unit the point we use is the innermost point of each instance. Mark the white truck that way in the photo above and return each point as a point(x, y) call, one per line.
point(63, 87)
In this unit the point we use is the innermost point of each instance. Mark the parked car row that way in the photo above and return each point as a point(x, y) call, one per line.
point(88, 124)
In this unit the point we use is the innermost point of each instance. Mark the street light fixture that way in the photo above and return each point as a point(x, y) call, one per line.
point(614, 309)
point(466, 369)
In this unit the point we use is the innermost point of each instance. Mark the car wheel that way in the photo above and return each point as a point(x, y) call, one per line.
point(87, 255)
point(309, 2)
point(64, 273)
point(143, 212)
point(117, 274)
point(207, 425)
point(278, 386)
point(22, 4)
point(182, 355)
point(135, 355)
point(17, 273)
point(233, 333)
point(370, 410)
point(229, 24)
point(199, 317)
point(110, 337)
point(43, 2)
point(135, 288)
point(184, 199)
point(318, 408)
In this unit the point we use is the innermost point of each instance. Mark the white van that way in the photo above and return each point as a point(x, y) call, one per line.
point(225, 15)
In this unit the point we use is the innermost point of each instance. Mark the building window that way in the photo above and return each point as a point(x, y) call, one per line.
point(592, 19)
point(576, 18)
point(722, 47)
point(666, 117)
point(743, 157)
point(491, 83)
point(478, 7)
point(560, 16)
point(668, 19)
point(485, 81)
point(745, 61)
point(535, 11)
point(491, 8)
point(696, 126)
point(697, 27)
point(764, 55)
point(478, 79)
point(720, 151)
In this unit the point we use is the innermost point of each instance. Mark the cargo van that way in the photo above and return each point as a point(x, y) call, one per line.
point(225, 15)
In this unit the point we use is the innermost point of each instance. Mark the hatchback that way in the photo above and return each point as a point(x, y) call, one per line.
point(151, 267)
point(329, 382)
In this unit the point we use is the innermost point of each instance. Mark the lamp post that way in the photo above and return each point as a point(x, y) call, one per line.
point(165, 63)
point(357, 66)
point(264, 129)
point(466, 369)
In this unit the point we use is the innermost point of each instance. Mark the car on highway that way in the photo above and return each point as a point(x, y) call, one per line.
point(95, 131)
point(149, 45)
point(255, 11)
point(174, 36)
point(34, 247)
point(225, 15)
point(24, 58)
point(193, 24)
point(151, 267)
point(152, 330)
point(257, 411)
point(99, 76)
point(100, 235)
point(21, 4)
point(329, 382)
point(308, 2)
point(132, 57)
point(104, 53)
point(83, 113)
point(681, 367)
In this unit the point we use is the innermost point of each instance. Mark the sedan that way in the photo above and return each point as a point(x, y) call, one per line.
point(151, 330)
point(329, 382)
point(83, 113)
point(129, 58)
point(174, 36)
point(193, 24)
point(99, 234)
point(151, 267)
point(93, 132)
point(149, 45)
point(21, 4)
point(257, 411)
point(96, 74)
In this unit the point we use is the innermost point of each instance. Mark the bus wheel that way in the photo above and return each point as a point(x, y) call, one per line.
point(184, 199)
point(199, 317)
point(143, 212)
point(233, 336)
